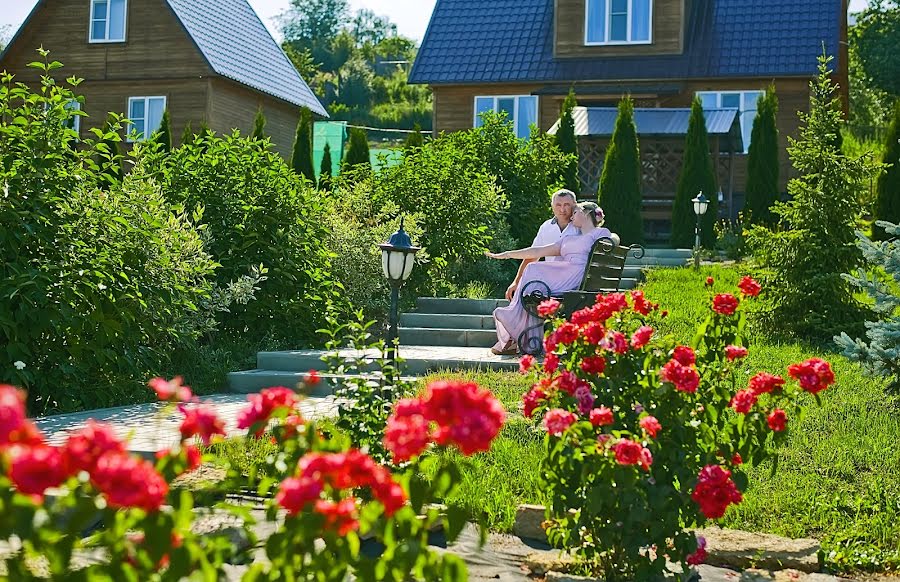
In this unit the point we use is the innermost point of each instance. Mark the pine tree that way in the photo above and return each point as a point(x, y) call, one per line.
point(187, 136)
point(887, 206)
point(302, 156)
point(357, 149)
point(259, 125)
point(696, 176)
point(815, 241)
point(762, 163)
point(325, 168)
point(415, 139)
point(568, 144)
point(620, 183)
point(163, 135)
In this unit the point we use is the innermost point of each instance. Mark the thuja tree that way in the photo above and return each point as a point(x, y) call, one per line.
point(415, 139)
point(568, 144)
point(887, 207)
point(762, 163)
point(620, 183)
point(357, 149)
point(163, 135)
point(259, 125)
point(697, 176)
point(325, 168)
point(881, 353)
point(302, 156)
point(814, 244)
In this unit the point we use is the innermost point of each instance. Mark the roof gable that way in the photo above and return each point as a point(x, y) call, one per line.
point(479, 41)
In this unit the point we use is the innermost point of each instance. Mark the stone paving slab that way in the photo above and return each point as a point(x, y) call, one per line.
point(149, 428)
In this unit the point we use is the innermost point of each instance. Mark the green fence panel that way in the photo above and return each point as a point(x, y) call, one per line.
point(334, 133)
point(385, 158)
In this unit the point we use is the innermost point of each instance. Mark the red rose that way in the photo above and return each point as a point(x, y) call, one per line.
point(641, 305)
point(128, 481)
point(33, 470)
point(466, 415)
point(601, 416)
point(710, 281)
point(725, 304)
point(651, 425)
point(763, 383)
point(12, 412)
point(548, 307)
point(641, 337)
point(615, 302)
point(170, 389)
point(814, 375)
point(615, 342)
point(295, 493)
point(339, 517)
point(627, 452)
point(777, 420)
point(312, 378)
point(715, 491)
point(526, 363)
point(646, 459)
point(406, 433)
point(735, 352)
point(532, 399)
point(263, 405)
point(743, 401)
point(684, 355)
point(685, 378)
point(84, 447)
point(551, 363)
point(567, 333)
point(201, 421)
point(593, 365)
point(700, 555)
point(749, 287)
point(736, 459)
point(594, 333)
point(556, 421)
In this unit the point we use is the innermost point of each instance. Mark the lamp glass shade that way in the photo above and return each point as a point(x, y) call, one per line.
point(700, 204)
point(397, 264)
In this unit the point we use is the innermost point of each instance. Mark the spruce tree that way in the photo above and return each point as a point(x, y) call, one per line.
point(415, 139)
point(259, 125)
point(762, 162)
point(163, 135)
point(302, 156)
point(887, 205)
point(815, 240)
point(696, 176)
point(187, 136)
point(568, 144)
point(357, 149)
point(620, 183)
point(325, 168)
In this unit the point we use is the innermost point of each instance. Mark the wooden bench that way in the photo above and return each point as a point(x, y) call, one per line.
point(602, 274)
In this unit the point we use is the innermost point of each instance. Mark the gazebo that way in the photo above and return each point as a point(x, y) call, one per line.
point(661, 135)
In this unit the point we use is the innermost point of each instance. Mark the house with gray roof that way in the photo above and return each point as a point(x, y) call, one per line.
point(205, 61)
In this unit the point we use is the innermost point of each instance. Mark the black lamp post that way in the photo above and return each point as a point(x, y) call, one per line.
point(700, 205)
point(397, 260)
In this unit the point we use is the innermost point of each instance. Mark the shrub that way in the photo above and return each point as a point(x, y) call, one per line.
point(620, 183)
point(163, 135)
point(257, 211)
point(302, 156)
point(259, 125)
point(730, 238)
point(646, 438)
point(568, 144)
point(696, 176)
point(762, 163)
point(887, 207)
point(357, 149)
point(415, 139)
point(815, 242)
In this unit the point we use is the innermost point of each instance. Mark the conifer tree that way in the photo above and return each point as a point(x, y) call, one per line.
point(696, 176)
point(762, 162)
point(415, 139)
point(357, 149)
point(325, 168)
point(259, 125)
point(620, 183)
point(187, 136)
point(163, 135)
point(302, 156)
point(568, 144)
point(887, 205)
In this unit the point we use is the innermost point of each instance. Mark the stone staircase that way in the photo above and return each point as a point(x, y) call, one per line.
point(441, 334)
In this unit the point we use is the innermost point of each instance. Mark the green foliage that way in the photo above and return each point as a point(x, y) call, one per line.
point(259, 125)
point(568, 144)
point(312, 25)
point(325, 168)
point(870, 107)
point(887, 206)
point(877, 37)
point(109, 155)
point(357, 149)
point(257, 211)
point(762, 163)
point(163, 136)
point(415, 139)
point(697, 175)
point(620, 182)
point(187, 136)
point(730, 238)
point(815, 242)
point(302, 156)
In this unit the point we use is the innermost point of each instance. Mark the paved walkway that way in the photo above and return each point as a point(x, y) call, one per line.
point(149, 428)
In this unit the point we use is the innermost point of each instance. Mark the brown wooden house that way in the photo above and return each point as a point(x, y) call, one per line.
point(206, 61)
point(522, 57)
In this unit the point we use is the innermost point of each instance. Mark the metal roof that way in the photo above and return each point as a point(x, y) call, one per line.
point(658, 122)
point(490, 41)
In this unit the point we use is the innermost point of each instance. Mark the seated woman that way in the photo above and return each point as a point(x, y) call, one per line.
point(560, 276)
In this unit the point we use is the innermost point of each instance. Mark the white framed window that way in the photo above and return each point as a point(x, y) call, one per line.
point(522, 110)
point(145, 115)
point(743, 101)
point(108, 20)
point(618, 22)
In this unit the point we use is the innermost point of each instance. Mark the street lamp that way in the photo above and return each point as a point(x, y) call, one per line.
point(700, 206)
point(397, 260)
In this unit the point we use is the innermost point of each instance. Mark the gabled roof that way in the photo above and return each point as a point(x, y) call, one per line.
point(658, 122)
point(238, 46)
point(489, 41)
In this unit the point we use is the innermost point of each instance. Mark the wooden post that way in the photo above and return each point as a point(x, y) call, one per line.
point(730, 183)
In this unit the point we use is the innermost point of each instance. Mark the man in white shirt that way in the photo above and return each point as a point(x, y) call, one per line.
point(563, 204)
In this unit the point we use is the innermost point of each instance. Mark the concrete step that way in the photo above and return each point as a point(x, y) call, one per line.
point(668, 253)
point(650, 262)
point(446, 321)
point(252, 381)
point(471, 338)
point(418, 360)
point(459, 306)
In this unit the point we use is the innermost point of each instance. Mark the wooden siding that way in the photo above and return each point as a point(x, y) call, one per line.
point(233, 106)
point(454, 106)
point(667, 35)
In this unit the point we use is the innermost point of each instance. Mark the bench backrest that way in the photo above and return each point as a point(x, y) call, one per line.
point(603, 271)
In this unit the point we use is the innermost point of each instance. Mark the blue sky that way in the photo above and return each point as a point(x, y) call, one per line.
point(411, 16)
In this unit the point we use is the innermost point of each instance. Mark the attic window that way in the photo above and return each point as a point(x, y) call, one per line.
point(108, 20)
point(617, 22)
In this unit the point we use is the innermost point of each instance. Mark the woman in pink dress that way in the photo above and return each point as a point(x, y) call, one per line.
point(559, 276)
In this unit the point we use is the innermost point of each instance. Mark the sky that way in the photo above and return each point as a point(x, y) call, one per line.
point(410, 16)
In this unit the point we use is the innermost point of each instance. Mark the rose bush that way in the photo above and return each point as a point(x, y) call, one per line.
point(320, 494)
point(646, 438)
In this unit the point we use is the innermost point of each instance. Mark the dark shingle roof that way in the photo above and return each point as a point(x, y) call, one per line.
point(238, 46)
point(484, 41)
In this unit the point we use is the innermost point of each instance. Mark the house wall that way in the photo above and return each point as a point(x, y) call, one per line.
point(667, 35)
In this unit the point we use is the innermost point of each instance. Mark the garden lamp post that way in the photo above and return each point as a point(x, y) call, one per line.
point(397, 260)
point(700, 206)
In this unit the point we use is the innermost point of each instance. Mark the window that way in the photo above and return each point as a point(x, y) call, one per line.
point(522, 110)
point(145, 114)
point(743, 101)
point(617, 21)
point(108, 20)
